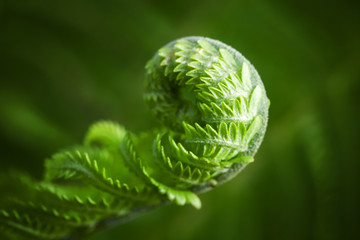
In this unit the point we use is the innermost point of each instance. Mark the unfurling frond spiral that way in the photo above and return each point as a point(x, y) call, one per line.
point(213, 109)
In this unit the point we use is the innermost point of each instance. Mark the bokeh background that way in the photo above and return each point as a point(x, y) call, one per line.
point(66, 64)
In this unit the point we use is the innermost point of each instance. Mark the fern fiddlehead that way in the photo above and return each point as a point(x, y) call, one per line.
point(213, 109)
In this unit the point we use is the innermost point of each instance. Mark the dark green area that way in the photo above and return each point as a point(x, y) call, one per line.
point(67, 64)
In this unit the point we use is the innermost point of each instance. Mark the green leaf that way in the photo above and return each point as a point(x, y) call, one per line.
point(253, 129)
point(210, 101)
point(246, 76)
point(207, 46)
point(240, 159)
point(229, 59)
point(255, 100)
point(181, 197)
point(106, 134)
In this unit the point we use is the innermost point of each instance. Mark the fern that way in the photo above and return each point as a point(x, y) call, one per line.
point(213, 109)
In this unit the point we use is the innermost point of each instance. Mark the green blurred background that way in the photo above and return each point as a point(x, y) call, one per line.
point(66, 64)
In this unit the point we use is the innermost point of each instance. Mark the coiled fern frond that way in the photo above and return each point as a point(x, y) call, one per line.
point(213, 109)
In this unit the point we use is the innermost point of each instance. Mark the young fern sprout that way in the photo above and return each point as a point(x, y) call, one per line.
point(213, 109)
